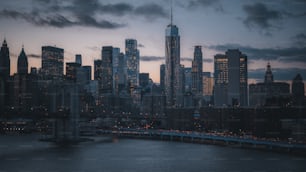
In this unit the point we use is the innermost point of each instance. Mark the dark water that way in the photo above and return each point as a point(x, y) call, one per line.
point(26, 154)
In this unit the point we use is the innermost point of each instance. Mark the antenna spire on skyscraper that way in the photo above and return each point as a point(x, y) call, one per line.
point(171, 12)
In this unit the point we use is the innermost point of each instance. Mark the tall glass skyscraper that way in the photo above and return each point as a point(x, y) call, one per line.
point(107, 69)
point(132, 62)
point(173, 88)
point(52, 61)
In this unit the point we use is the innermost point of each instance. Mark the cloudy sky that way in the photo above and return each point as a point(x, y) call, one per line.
point(273, 30)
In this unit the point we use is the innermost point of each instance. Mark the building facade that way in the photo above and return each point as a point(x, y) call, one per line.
point(132, 62)
point(197, 70)
point(173, 67)
point(162, 75)
point(208, 85)
point(22, 63)
point(298, 90)
point(52, 63)
point(231, 79)
point(4, 75)
point(268, 92)
point(107, 70)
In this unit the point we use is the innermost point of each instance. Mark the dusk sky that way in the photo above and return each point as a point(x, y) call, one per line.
point(273, 30)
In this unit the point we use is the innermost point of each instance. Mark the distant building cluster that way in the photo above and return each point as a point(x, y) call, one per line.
point(119, 88)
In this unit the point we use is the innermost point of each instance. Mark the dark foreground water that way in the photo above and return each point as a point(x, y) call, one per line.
point(26, 154)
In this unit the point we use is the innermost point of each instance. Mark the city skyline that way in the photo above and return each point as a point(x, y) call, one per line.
point(263, 31)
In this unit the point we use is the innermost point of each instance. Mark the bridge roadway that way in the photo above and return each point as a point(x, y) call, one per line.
point(197, 137)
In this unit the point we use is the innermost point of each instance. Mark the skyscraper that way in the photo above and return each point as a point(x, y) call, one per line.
point(162, 75)
point(107, 69)
point(298, 90)
point(5, 61)
point(97, 70)
point(4, 75)
point(188, 79)
point(98, 74)
point(71, 70)
point(221, 79)
point(22, 64)
point(121, 73)
point(173, 67)
point(208, 84)
point(132, 62)
point(197, 70)
point(231, 79)
point(52, 61)
point(237, 77)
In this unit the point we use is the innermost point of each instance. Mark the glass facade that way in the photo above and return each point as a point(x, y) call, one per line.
point(132, 62)
point(52, 61)
point(172, 79)
point(231, 79)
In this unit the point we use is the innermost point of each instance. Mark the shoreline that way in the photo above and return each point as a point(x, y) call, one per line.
point(298, 151)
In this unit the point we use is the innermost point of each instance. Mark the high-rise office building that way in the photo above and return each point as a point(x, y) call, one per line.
point(208, 85)
point(115, 68)
point(5, 61)
point(87, 70)
point(107, 70)
point(132, 62)
point(298, 90)
point(173, 67)
point(52, 61)
point(83, 75)
point(197, 70)
point(188, 79)
point(221, 79)
point(71, 70)
point(4, 75)
point(231, 80)
point(78, 59)
point(162, 75)
point(120, 75)
point(237, 77)
point(98, 73)
point(22, 63)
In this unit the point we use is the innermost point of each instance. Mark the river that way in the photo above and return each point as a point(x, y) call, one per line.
point(26, 154)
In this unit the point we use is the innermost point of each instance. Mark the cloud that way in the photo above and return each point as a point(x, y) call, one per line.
point(278, 73)
point(151, 58)
point(288, 54)
point(188, 59)
point(260, 16)
point(299, 40)
point(58, 20)
point(34, 56)
point(94, 48)
point(89, 13)
point(151, 11)
point(205, 4)
point(208, 60)
point(116, 9)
